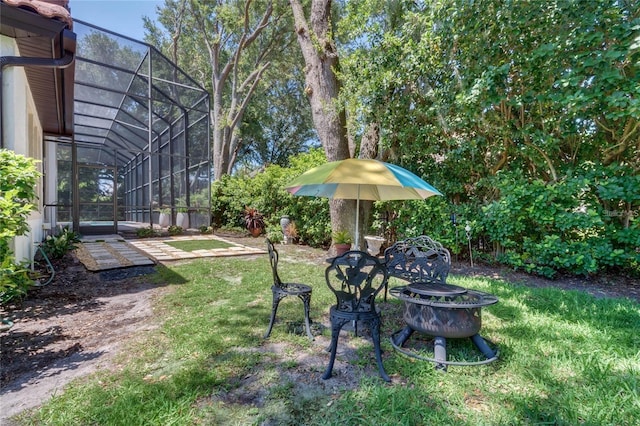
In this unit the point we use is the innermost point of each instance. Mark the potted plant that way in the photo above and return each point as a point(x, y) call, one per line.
point(342, 242)
point(165, 217)
point(374, 243)
point(182, 218)
point(290, 233)
point(253, 221)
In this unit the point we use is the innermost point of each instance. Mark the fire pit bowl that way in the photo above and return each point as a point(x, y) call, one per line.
point(443, 311)
point(455, 315)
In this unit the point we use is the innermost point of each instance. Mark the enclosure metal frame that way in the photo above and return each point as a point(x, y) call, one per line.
point(140, 115)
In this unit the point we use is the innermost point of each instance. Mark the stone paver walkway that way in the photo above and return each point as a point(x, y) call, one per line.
point(104, 252)
point(160, 251)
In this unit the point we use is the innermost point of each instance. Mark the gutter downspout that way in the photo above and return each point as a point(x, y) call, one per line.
point(22, 61)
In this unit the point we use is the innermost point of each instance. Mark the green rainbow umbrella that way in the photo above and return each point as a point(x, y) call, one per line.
point(358, 179)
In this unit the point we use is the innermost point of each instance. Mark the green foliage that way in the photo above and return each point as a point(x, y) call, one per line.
point(548, 227)
point(265, 192)
point(56, 246)
point(342, 237)
point(462, 95)
point(147, 232)
point(548, 96)
point(18, 179)
point(205, 229)
point(274, 233)
point(14, 280)
point(432, 217)
point(175, 230)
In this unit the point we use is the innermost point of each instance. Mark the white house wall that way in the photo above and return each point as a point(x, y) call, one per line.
point(22, 134)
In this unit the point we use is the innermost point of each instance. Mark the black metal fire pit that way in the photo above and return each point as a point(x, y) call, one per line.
point(443, 311)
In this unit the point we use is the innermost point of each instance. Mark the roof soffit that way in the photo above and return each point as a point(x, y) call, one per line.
point(40, 32)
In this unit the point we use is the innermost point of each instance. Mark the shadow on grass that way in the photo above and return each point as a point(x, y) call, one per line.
point(565, 359)
point(31, 350)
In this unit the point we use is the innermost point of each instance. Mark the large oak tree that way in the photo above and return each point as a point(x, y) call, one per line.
point(315, 36)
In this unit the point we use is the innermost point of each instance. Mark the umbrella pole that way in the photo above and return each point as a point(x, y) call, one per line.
point(357, 221)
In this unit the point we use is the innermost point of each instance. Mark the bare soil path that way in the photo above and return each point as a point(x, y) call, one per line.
point(75, 325)
point(68, 329)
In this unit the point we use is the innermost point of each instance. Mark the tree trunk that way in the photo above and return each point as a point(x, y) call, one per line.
point(322, 88)
point(322, 85)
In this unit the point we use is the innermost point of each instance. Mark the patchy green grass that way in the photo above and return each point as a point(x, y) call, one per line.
point(566, 359)
point(194, 245)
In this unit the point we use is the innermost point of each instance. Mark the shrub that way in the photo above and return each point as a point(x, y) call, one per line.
point(147, 232)
point(545, 227)
point(266, 193)
point(175, 230)
point(205, 229)
point(274, 234)
point(14, 280)
point(18, 178)
point(58, 245)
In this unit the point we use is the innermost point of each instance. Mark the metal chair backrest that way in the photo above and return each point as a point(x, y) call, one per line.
point(273, 259)
point(356, 278)
point(418, 259)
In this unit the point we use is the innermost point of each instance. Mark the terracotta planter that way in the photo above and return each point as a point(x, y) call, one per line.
point(342, 249)
point(255, 232)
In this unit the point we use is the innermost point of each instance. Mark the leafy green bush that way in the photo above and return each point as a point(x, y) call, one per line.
point(18, 178)
point(175, 230)
point(432, 217)
point(58, 245)
point(14, 280)
point(586, 222)
point(265, 191)
point(549, 227)
point(205, 229)
point(274, 234)
point(147, 232)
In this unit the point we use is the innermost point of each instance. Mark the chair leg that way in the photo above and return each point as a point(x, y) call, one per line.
point(336, 326)
point(306, 301)
point(375, 335)
point(277, 297)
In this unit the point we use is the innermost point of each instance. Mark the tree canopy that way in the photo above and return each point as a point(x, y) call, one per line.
point(526, 115)
point(239, 51)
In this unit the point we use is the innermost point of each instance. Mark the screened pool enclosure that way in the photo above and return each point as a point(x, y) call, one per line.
point(140, 144)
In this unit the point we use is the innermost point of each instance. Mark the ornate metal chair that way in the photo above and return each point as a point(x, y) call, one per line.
point(355, 278)
point(282, 289)
point(419, 259)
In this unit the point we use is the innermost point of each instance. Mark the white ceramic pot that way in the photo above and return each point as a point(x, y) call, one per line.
point(182, 220)
point(164, 220)
point(373, 244)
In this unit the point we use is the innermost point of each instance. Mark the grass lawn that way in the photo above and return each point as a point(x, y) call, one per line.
point(193, 245)
point(566, 358)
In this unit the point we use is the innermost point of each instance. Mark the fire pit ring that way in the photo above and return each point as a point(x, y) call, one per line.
point(443, 311)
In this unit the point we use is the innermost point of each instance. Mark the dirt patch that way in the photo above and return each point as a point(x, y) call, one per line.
point(75, 325)
point(68, 329)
